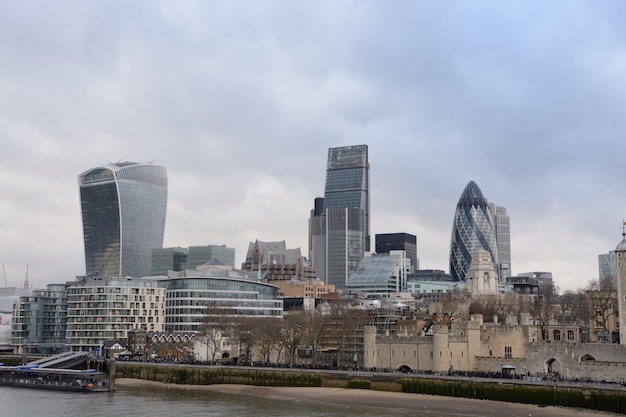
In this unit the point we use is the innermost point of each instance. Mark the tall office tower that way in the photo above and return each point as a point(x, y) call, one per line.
point(344, 244)
point(607, 265)
point(502, 228)
point(316, 223)
point(472, 230)
point(347, 183)
point(123, 209)
point(386, 242)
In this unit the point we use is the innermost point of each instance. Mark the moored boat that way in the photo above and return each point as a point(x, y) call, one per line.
point(41, 373)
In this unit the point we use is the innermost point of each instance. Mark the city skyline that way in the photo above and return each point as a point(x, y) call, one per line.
point(241, 106)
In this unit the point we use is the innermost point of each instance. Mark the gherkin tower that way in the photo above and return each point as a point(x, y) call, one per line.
point(472, 230)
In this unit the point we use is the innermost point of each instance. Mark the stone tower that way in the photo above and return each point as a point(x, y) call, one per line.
point(620, 253)
point(481, 277)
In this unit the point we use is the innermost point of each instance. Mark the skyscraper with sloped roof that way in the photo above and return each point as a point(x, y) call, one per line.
point(472, 230)
point(340, 232)
point(123, 211)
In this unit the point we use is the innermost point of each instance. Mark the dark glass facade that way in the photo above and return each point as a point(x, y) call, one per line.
point(123, 210)
point(386, 242)
point(472, 230)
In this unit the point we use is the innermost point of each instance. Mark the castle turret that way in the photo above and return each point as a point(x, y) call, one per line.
point(620, 253)
point(441, 355)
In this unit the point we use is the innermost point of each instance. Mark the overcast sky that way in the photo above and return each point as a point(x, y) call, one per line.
point(240, 101)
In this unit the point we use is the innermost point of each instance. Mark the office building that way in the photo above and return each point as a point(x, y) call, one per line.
point(380, 274)
point(502, 230)
point(344, 244)
point(347, 183)
point(199, 255)
point(542, 279)
point(607, 266)
point(472, 230)
point(316, 224)
point(339, 226)
point(168, 259)
point(179, 259)
point(232, 292)
point(386, 242)
point(123, 211)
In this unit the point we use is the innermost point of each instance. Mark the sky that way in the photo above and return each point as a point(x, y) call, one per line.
point(240, 101)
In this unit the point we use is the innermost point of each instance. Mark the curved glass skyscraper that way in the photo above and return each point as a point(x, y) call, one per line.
point(472, 230)
point(123, 208)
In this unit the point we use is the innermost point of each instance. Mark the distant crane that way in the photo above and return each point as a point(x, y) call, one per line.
point(5, 276)
point(26, 285)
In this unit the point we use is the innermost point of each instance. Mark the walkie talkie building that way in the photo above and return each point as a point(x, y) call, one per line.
point(123, 209)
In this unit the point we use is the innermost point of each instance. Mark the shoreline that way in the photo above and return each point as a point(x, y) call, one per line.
point(380, 399)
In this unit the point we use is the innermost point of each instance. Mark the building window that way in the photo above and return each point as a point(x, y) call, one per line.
point(570, 335)
point(508, 351)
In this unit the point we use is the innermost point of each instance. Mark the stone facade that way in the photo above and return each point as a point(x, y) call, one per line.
point(620, 253)
point(474, 346)
point(481, 277)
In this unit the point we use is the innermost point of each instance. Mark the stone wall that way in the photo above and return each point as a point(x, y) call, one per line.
point(458, 348)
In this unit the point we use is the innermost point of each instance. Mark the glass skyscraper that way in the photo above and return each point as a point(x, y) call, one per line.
point(607, 266)
point(339, 227)
point(123, 209)
point(344, 244)
point(473, 229)
point(348, 183)
point(502, 229)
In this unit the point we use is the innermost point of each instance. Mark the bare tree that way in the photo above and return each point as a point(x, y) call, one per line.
point(292, 334)
point(316, 323)
point(266, 336)
point(602, 298)
point(543, 308)
point(243, 336)
point(455, 304)
point(216, 328)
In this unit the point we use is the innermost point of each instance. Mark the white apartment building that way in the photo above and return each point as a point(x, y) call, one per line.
point(101, 309)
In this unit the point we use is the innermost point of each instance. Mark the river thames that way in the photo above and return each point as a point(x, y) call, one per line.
point(160, 402)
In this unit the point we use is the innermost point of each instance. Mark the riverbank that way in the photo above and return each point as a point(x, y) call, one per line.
point(380, 399)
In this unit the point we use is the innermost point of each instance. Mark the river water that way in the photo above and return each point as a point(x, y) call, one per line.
point(159, 402)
